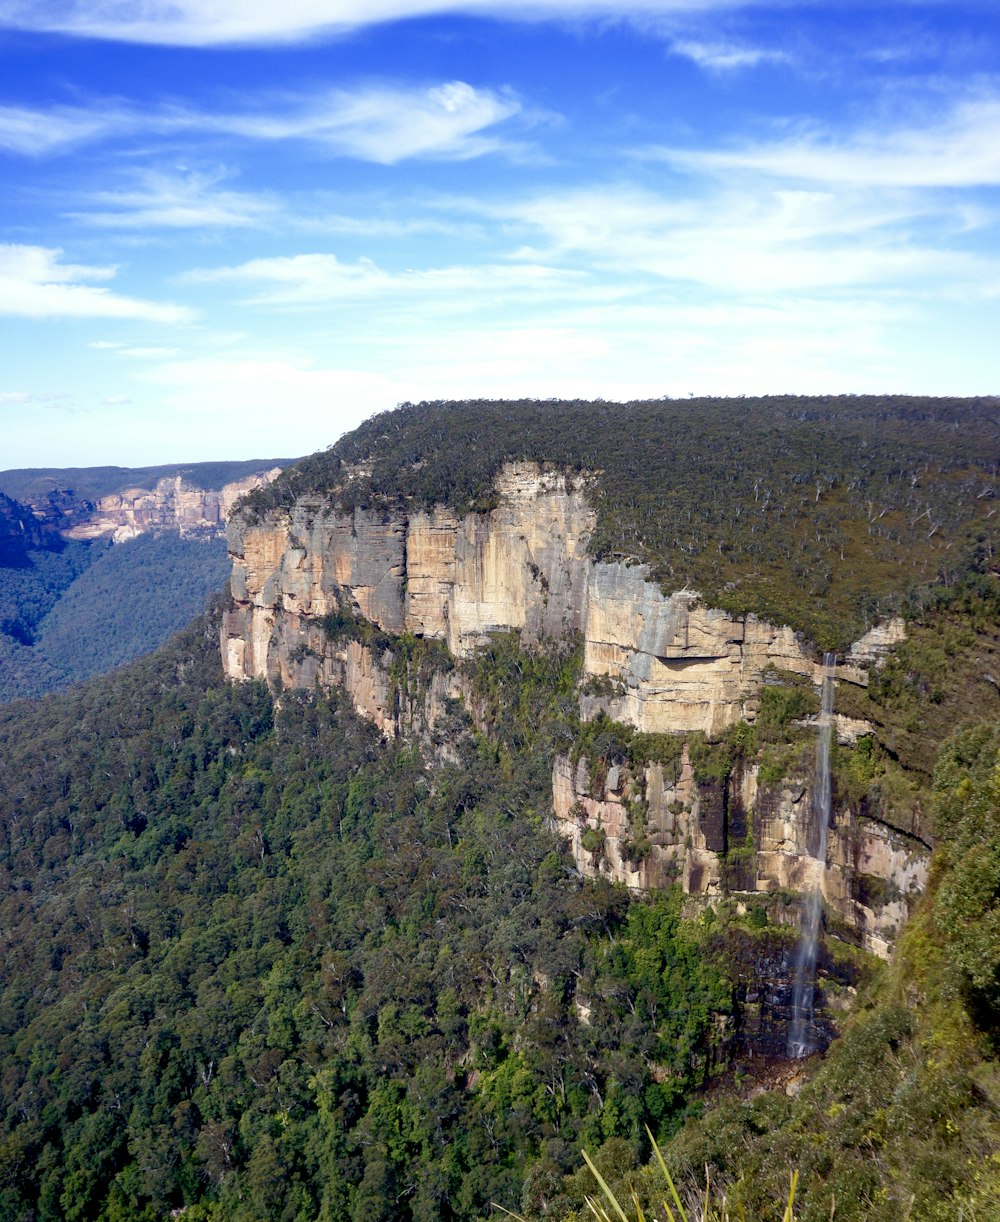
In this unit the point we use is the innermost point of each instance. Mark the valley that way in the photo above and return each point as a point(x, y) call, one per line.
point(474, 825)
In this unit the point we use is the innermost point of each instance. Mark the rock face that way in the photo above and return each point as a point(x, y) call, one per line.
point(659, 662)
point(522, 565)
point(663, 663)
point(19, 531)
point(663, 826)
point(173, 504)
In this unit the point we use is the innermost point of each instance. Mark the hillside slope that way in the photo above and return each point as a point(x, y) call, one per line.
point(264, 958)
point(134, 598)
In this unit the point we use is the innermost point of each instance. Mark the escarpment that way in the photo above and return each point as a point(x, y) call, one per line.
point(172, 504)
point(327, 596)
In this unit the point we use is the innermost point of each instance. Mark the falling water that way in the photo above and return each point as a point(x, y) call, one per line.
point(801, 1033)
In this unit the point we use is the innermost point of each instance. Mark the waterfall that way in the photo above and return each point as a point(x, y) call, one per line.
point(801, 1033)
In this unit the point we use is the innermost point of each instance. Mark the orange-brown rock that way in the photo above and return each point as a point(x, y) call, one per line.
point(173, 504)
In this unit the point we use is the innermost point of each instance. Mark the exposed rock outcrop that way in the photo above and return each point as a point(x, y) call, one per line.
point(663, 663)
point(659, 662)
point(173, 504)
point(662, 826)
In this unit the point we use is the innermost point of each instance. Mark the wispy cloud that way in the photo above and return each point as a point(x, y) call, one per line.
point(195, 23)
point(35, 283)
point(387, 125)
point(381, 123)
point(725, 56)
point(120, 349)
point(760, 242)
point(317, 279)
point(34, 133)
point(192, 200)
point(959, 148)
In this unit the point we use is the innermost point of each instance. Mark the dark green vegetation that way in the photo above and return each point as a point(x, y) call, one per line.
point(129, 602)
point(822, 513)
point(91, 483)
point(258, 964)
point(902, 1121)
point(72, 610)
point(36, 569)
point(262, 964)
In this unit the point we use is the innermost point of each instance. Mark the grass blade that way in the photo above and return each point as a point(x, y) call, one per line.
point(670, 1183)
point(604, 1188)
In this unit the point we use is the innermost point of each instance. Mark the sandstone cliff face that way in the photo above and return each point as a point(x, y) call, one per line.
point(661, 663)
point(661, 826)
point(173, 504)
point(433, 574)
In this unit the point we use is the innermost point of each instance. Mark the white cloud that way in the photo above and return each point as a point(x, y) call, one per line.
point(177, 201)
point(36, 132)
point(388, 125)
point(314, 279)
point(725, 56)
point(317, 404)
point(116, 400)
point(381, 123)
point(757, 241)
point(197, 23)
point(959, 149)
point(35, 283)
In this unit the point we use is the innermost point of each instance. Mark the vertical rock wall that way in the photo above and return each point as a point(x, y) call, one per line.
point(660, 662)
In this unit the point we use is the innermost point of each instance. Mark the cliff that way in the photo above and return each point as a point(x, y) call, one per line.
point(325, 596)
point(173, 504)
point(19, 531)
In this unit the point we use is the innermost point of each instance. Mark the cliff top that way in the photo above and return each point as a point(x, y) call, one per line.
point(91, 483)
point(825, 513)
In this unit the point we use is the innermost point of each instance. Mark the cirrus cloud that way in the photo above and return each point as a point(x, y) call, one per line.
point(194, 23)
point(381, 123)
point(959, 148)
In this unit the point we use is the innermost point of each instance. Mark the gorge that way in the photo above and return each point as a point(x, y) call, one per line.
point(660, 664)
point(474, 825)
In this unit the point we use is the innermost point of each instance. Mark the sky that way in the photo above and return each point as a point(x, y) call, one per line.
point(237, 228)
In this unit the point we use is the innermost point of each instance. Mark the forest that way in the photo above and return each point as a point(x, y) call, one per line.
point(827, 514)
point(72, 609)
point(258, 962)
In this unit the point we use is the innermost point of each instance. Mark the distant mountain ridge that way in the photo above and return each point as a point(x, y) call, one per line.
point(54, 527)
point(32, 485)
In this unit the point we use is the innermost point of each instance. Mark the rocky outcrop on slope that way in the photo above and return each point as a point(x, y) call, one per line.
point(19, 531)
point(173, 504)
point(324, 596)
point(661, 825)
point(661, 662)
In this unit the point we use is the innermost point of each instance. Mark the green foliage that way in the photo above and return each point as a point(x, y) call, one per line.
point(824, 513)
point(126, 604)
point(91, 483)
point(943, 674)
point(664, 749)
point(901, 1119)
point(257, 964)
point(793, 699)
point(77, 609)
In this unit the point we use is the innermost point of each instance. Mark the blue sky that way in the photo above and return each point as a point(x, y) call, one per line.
point(236, 228)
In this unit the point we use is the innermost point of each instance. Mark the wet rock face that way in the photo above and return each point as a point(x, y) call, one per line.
point(762, 969)
point(736, 838)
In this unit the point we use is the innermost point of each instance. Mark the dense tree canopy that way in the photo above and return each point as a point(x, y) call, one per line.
point(822, 512)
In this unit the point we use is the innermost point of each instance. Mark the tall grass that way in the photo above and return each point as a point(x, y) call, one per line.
point(712, 1207)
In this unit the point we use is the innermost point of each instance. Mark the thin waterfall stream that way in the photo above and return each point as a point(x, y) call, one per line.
point(801, 1030)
